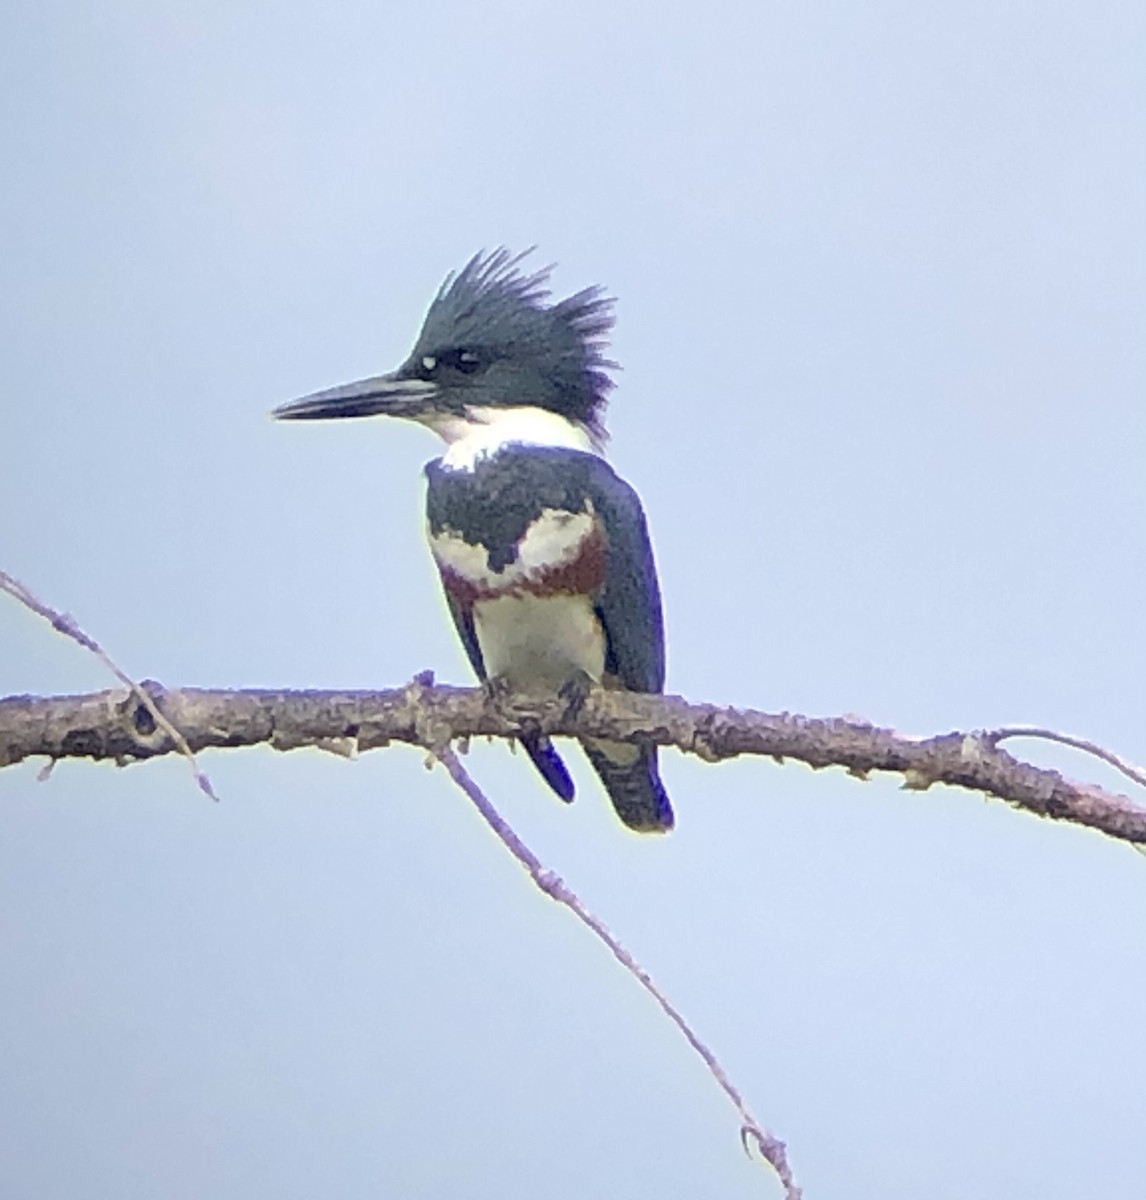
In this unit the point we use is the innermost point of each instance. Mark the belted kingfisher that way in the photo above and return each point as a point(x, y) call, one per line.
point(543, 551)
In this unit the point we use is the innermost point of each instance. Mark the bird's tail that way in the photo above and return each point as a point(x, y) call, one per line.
point(633, 782)
point(548, 762)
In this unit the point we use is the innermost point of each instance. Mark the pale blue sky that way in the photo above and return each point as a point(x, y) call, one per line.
point(881, 274)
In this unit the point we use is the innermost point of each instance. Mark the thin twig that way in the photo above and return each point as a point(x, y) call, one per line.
point(64, 623)
point(1067, 739)
point(752, 1133)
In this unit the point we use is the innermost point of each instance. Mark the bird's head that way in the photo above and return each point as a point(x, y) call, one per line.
point(491, 342)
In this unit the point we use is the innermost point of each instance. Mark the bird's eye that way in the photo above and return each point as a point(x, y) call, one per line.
point(464, 360)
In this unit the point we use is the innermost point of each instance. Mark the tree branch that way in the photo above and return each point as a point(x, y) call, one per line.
point(116, 725)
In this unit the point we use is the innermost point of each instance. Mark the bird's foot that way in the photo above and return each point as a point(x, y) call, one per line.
point(497, 691)
point(574, 692)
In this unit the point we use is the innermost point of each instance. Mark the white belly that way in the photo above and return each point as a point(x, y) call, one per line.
point(537, 643)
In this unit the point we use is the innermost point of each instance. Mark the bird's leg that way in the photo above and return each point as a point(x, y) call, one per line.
point(499, 694)
point(497, 691)
point(575, 691)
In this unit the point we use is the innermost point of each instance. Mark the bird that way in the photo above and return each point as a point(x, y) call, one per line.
point(542, 549)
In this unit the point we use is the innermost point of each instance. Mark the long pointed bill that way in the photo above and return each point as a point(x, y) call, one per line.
point(384, 395)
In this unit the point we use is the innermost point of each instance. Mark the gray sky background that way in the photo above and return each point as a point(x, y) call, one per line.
point(880, 272)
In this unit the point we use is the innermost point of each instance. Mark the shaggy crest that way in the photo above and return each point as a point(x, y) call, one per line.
point(493, 307)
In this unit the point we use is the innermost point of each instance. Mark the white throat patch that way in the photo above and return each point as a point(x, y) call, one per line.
point(484, 431)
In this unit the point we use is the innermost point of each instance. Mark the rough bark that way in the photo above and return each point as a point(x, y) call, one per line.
point(116, 725)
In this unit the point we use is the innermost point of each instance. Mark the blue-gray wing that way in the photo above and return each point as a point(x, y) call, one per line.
point(464, 623)
point(629, 607)
point(629, 602)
